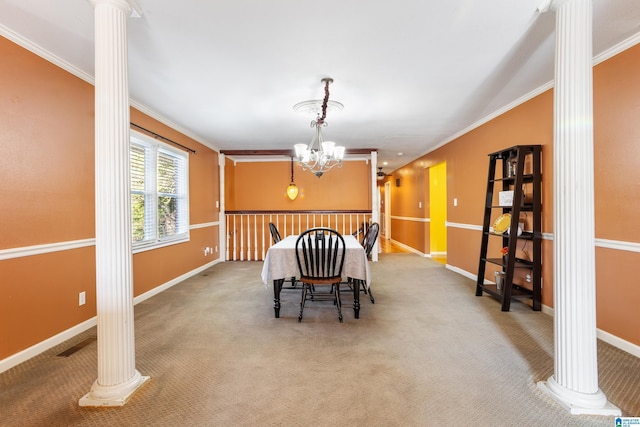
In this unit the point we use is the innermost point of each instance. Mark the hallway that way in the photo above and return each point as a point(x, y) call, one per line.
point(389, 247)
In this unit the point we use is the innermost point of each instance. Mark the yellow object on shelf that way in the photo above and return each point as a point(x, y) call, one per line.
point(502, 223)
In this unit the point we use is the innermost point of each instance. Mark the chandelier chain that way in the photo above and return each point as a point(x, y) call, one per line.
point(320, 120)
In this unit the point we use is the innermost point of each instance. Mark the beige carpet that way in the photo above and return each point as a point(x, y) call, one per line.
point(427, 353)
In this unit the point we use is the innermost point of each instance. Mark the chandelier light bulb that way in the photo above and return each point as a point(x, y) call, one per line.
point(292, 191)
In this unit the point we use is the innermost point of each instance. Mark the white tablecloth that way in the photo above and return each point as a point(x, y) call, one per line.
point(280, 262)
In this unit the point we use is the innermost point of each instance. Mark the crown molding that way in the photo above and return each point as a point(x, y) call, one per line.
point(38, 50)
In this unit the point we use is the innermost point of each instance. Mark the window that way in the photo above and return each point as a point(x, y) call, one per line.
point(159, 193)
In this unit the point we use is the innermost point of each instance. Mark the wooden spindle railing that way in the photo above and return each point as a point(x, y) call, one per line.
point(248, 237)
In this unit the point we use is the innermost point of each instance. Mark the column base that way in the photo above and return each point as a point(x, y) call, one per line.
point(116, 395)
point(579, 403)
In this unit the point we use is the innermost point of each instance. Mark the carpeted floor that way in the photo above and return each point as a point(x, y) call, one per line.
point(427, 353)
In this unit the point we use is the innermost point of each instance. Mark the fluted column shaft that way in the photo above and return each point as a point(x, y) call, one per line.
point(375, 201)
point(574, 236)
point(117, 375)
point(575, 381)
point(222, 218)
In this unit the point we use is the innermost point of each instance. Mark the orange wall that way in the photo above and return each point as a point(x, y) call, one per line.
point(45, 126)
point(406, 213)
point(617, 186)
point(39, 296)
point(47, 193)
point(262, 186)
point(616, 97)
point(410, 233)
point(617, 191)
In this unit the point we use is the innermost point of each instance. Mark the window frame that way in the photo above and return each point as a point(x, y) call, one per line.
point(151, 194)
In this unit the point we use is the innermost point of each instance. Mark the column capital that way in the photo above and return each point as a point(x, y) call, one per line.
point(552, 5)
point(130, 7)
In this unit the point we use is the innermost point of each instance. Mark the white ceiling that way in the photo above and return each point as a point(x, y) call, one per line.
point(410, 73)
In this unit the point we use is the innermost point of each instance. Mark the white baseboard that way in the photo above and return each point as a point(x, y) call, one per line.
point(615, 341)
point(408, 248)
point(34, 350)
point(462, 272)
point(173, 282)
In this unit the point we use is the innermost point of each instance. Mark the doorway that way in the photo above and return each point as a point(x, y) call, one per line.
point(438, 212)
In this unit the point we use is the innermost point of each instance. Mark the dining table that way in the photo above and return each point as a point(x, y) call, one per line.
point(281, 263)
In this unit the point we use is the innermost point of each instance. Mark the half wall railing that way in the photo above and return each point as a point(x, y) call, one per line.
point(248, 237)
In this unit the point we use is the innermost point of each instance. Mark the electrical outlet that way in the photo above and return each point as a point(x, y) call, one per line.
point(82, 298)
point(455, 201)
point(216, 248)
point(528, 278)
point(207, 250)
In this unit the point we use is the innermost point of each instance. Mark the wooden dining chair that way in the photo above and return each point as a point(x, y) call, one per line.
point(275, 235)
point(320, 253)
point(367, 242)
point(359, 231)
point(370, 238)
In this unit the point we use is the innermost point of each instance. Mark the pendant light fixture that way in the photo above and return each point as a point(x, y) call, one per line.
point(320, 155)
point(292, 189)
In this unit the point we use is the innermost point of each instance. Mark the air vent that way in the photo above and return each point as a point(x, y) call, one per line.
point(68, 352)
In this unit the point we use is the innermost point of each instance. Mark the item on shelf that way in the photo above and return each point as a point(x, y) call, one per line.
point(505, 198)
point(499, 275)
point(520, 228)
point(502, 223)
point(512, 165)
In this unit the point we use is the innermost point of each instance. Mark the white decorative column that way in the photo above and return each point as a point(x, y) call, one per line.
point(222, 218)
point(575, 381)
point(375, 202)
point(118, 378)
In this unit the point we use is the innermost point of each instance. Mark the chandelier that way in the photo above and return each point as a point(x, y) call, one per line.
point(320, 155)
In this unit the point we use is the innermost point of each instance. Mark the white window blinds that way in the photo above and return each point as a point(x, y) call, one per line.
point(159, 193)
